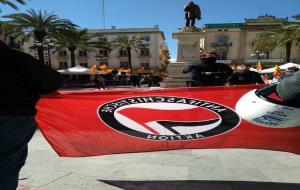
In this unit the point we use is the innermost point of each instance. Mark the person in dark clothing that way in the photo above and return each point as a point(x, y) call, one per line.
point(245, 76)
point(135, 80)
point(209, 73)
point(22, 80)
point(100, 82)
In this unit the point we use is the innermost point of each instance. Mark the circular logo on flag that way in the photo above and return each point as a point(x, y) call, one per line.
point(168, 118)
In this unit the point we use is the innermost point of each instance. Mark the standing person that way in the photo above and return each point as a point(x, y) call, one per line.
point(209, 73)
point(99, 80)
point(22, 80)
point(245, 76)
point(135, 78)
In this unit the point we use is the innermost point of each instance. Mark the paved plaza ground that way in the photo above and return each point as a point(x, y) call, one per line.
point(229, 169)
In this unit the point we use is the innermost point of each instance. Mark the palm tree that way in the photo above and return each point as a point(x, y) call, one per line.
point(10, 34)
point(39, 25)
point(281, 36)
point(74, 39)
point(9, 3)
point(126, 43)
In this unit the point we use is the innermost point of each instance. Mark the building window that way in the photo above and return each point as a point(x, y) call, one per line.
point(82, 53)
point(222, 55)
point(62, 53)
point(123, 53)
point(124, 64)
point(103, 52)
point(145, 65)
point(145, 39)
point(83, 64)
point(222, 40)
point(145, 52)
point(63, 65)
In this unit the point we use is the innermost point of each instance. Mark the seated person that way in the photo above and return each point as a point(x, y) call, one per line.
point(209, 73)
point(245, 76)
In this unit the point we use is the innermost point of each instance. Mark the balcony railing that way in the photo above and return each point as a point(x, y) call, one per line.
point(219, 44)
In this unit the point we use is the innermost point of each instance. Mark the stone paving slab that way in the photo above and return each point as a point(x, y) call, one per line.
point(44, 170)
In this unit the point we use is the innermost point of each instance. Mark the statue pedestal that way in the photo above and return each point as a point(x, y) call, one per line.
point(175, 76)
point(188, 53)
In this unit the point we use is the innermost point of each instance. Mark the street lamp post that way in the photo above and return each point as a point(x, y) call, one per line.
point(258, 55)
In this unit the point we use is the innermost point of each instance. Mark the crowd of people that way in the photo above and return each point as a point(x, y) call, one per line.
point(209, 73)
point(135, 78)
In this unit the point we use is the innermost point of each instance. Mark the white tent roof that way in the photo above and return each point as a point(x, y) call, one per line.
point(74, 70)
point(282, 67)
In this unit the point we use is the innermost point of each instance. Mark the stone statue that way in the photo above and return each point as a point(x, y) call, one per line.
point(192, 11)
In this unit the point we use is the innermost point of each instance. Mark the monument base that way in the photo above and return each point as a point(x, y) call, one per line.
point(176, 78)
point(189, 42)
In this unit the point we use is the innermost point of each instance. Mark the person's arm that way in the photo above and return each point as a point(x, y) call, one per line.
point(42, 79)
point(188, 69)
point(223, 71)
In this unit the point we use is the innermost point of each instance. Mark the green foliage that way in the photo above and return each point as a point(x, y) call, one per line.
point(39, 24)
point(127, 43)
point(73, 39)
point(282, 36)
point(11, 4)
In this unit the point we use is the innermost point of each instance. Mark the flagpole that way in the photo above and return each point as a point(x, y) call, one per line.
point(103, 13)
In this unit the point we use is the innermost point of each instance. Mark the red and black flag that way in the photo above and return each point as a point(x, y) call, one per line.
point(141, 120)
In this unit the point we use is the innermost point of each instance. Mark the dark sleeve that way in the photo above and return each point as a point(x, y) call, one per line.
point(225, 71)
point(258, 79)
point(289, 89)
point(234, 78)
point(42, 79)
point(189, 69)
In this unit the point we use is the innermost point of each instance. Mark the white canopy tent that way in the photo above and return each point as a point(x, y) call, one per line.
point(78, 70)
point(282, 67)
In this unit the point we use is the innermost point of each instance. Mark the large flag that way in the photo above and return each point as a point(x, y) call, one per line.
point(140, 120)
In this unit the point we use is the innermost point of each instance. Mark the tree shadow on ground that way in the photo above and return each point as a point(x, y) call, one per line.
point(200, 185)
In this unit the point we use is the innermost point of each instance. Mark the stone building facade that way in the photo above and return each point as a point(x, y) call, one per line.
point(151, 57)
point(233, 42)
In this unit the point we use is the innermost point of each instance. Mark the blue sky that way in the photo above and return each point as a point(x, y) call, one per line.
point(168, 14)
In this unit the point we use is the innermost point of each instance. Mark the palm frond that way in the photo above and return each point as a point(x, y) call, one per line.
point(11, 4)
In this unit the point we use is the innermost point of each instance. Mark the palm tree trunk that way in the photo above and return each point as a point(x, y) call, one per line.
point(72, 51)
point(129, 57)
point(49, 58)
point(40, 51)
point(39, 36)
point(288, 49)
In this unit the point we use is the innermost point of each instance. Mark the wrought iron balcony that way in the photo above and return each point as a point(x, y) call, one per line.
point(223, 44)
